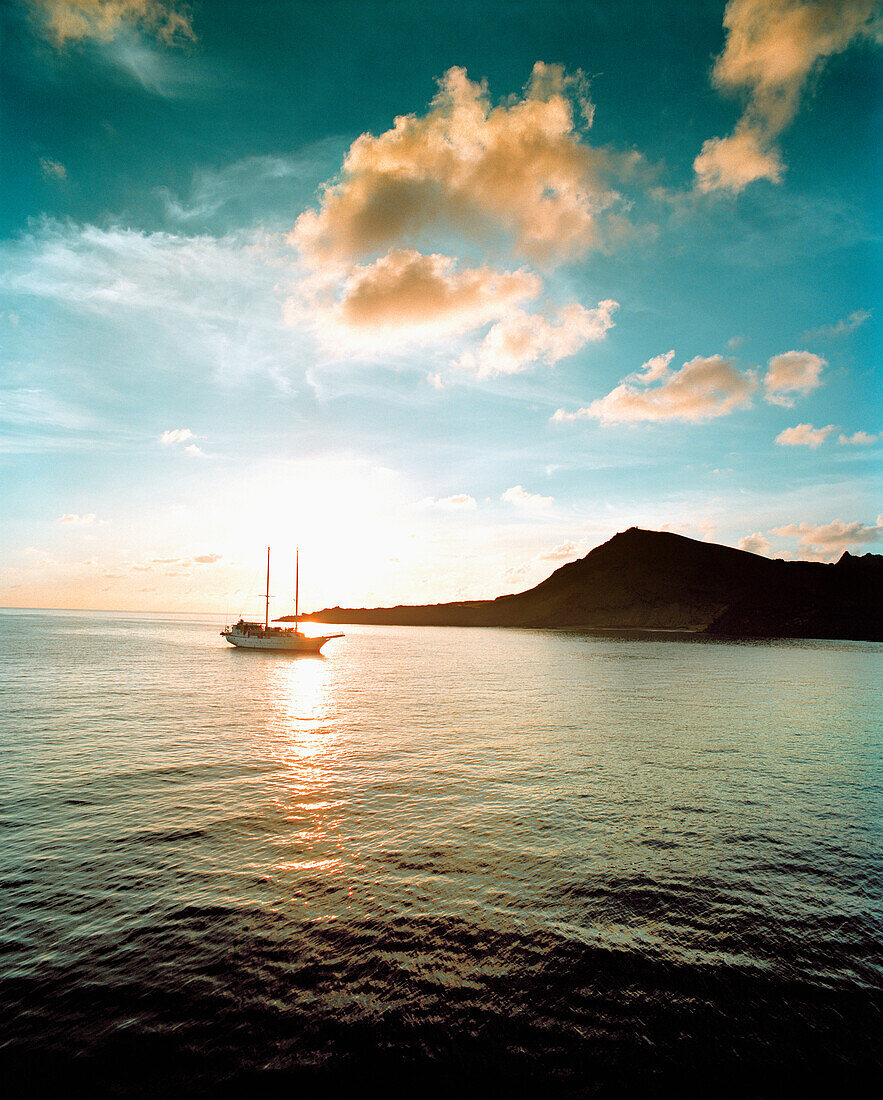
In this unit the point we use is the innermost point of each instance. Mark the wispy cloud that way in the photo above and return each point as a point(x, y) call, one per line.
point(258, 190)
point(804, 435)
point(85, 266)
point(52, 169)
point(840, 328)
point(206, 299)
point(772, 47)
point(31, 405)
point(457, 503)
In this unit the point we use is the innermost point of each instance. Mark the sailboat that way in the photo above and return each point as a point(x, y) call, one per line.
point(248, 635)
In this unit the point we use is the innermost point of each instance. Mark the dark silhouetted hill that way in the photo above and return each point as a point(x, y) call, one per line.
point(654, 580)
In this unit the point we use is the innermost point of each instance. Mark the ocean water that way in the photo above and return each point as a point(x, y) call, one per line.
point(436, 861)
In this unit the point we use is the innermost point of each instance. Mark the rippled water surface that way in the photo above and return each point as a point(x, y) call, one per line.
point(435, 860)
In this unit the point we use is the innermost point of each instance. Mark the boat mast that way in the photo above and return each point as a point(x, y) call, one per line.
point(296, 585)
point(267, 605)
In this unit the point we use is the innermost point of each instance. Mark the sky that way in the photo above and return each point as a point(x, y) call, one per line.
point(443, 294)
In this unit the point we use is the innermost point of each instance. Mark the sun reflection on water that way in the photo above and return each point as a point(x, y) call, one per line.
point(300, 697)
point(301, 716)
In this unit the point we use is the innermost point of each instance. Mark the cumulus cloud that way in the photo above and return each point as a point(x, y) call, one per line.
point(517, 178)
point(520, 339)
point(564, 551)
point(653, 369)
point(832, 537)
point(175, 435)
point(804, 435)
point(757, 543)
point(793, 372)
point(63, 21)
point(52, 169)
point(458, 502)
point(858, 439)
point(703, 389)
point(406, 295)
point(521, 498)
point(706, 388)
point(529, 572)
point(76, 520)
point(841, 328)
point(772, 48)
point(520, 168)
point(207, 559)
point(405, 287)
point(731, 163)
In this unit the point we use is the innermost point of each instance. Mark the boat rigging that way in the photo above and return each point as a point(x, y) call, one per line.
point(249, 635)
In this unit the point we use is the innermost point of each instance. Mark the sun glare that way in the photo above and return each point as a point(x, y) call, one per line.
point(335, 512)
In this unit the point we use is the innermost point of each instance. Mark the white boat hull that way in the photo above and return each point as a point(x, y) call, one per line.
point(292, 643)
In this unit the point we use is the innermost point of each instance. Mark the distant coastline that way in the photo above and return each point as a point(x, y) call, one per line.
point(654, 580)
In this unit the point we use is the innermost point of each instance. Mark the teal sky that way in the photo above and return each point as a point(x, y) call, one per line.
point(444, 293)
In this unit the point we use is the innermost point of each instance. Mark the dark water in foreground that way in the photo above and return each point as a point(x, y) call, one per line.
point(437, 861)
